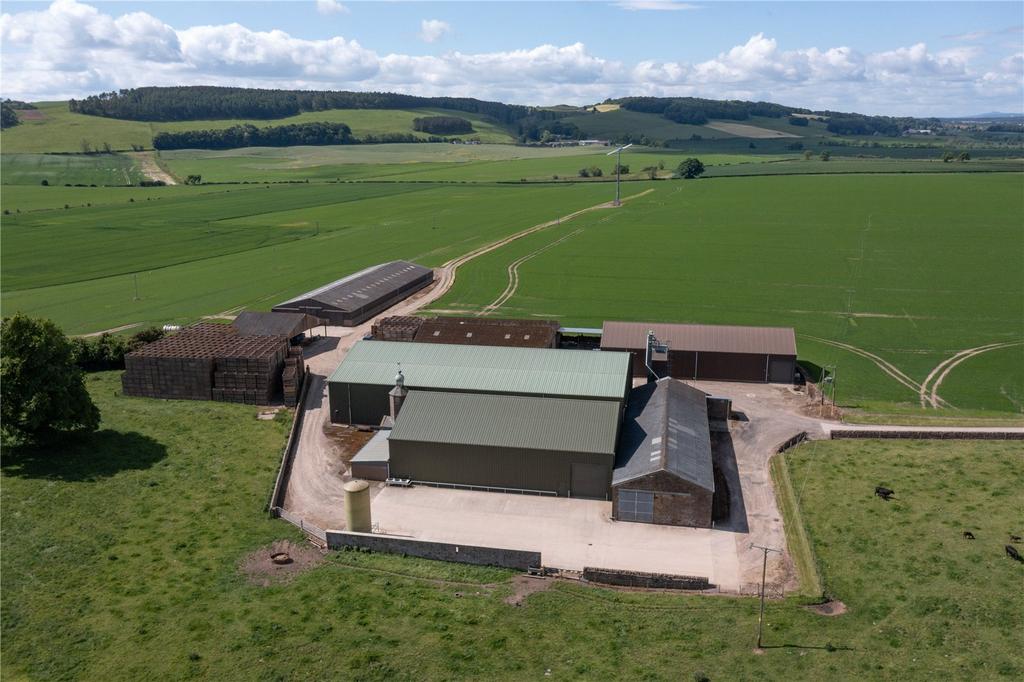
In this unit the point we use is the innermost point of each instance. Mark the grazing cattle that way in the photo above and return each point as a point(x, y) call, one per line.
point(968, 535)
point(1014, 538)
point(884, 493)
point(1012, 552)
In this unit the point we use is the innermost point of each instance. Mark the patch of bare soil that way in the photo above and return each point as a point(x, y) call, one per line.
point(829, 608)
point(348, 441)
point(279, 562)
point(525, 585)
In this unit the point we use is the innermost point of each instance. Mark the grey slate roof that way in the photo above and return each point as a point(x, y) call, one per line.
point(558, 424)
point(666, 429)
point(353, 291)
point(493, 369)
point(250, 323)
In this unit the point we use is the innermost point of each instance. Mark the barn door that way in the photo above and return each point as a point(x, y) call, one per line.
point(589, 480)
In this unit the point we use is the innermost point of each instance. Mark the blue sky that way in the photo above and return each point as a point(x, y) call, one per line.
point(913, 58)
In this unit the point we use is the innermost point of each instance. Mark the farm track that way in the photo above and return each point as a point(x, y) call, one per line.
point(883, 364)
point(930, 396)
point(513, 274)
point(151, 169)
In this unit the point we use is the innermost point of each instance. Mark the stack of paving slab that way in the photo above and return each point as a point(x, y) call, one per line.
point(396, 328)
point(207, 362)
point(291, 377)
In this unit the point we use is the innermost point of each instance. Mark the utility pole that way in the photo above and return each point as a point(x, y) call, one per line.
point(764, 573)
point(618, 170)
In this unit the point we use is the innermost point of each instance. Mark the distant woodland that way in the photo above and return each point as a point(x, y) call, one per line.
point(251, 136)
point(202, 102)
point(442, 125)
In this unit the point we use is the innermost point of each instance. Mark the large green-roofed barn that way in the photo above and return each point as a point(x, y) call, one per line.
point(358, 389)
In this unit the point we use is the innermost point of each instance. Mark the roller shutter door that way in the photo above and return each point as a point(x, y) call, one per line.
point(589, 480)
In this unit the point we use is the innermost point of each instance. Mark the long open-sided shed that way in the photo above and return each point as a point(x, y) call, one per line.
point(700, 351)
point(663, 470)
point(290, 325)
point(358, 388)
point(556, 446)
point(356, 298)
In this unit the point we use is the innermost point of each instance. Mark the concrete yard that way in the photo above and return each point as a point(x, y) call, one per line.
point(569, 533)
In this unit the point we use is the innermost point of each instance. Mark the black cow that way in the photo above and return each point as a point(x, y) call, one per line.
point(968, 535)
point(884, 493)
point(1012, 552)
point(1014, 538)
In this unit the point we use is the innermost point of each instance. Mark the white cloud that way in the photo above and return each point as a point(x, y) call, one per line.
point(432, 30)
point(331, 7)
point(74, 49)
point(655, 5)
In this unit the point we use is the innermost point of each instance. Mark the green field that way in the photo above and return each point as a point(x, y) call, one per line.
point(202, 253)
point(121, 559)
point(62, 131)
point(423, 162)
point(93, 169)
point(913, 268)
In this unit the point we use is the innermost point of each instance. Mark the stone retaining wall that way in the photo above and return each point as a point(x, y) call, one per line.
point(928, 435)
point(608, 576)
point(441, 551)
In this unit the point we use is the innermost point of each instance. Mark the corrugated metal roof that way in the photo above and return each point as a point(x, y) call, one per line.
point(351, 292)
point(476, 331)
point(666, 429)
point(250, 323)
point(702, 337)
point(559, 424)
point(529, 371)
point(375, 450)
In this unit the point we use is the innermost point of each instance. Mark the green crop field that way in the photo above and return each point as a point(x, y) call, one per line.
point(93, 169)
point(427, 162)
point(122, 553)
point(194, 253)
point(59, 130)
point(913, 268)
point(615, 123)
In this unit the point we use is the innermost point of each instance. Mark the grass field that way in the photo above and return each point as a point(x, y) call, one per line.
point(62, 131)
point(121, 560)
point(617, 122)
point(430, 163)
point(912, 268)
point(96, 169)
point(202, 253)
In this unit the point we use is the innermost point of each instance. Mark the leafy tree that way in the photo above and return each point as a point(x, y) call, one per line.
point(690, 168)
point(652, 172)
point(584, 173)
point(42, 393)
point(623, 168)
point(194, 180)
point(442, 125)
point(595, 172)
point(964, 156)
point(826, 155)
point(44, 182)
point(808, 154)
point(8, 117)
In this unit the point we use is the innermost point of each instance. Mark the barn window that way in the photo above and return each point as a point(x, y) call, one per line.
point(636, 505)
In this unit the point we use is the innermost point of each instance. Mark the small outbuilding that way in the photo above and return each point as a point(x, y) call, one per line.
point(482, 331)
point(714, 352)
point(506, 443)
point(356, 298)
point(663, 468)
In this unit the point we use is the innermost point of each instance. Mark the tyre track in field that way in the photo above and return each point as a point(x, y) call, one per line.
point(513, 274)
point(930, 396)
point(883, 364)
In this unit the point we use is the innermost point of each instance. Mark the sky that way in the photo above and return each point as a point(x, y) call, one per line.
point(894, 58)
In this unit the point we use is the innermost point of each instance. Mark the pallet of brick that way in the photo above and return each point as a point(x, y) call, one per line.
point(396, 328)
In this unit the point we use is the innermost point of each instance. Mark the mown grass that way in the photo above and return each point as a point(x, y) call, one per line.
point(93, 169)
point(62, 131)
point(912, 268)
point(120, 561)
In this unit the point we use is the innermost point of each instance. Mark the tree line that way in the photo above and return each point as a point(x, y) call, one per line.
point(201, 102)
point(697, 111)
point(250, 136)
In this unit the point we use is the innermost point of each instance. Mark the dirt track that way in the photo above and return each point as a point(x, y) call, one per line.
point(151, 169)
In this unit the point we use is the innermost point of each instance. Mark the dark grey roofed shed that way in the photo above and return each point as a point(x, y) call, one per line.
point(356, 298)
point(663, 467)
point(251, 323)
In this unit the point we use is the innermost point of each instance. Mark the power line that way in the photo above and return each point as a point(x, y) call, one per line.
point(764, 573)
